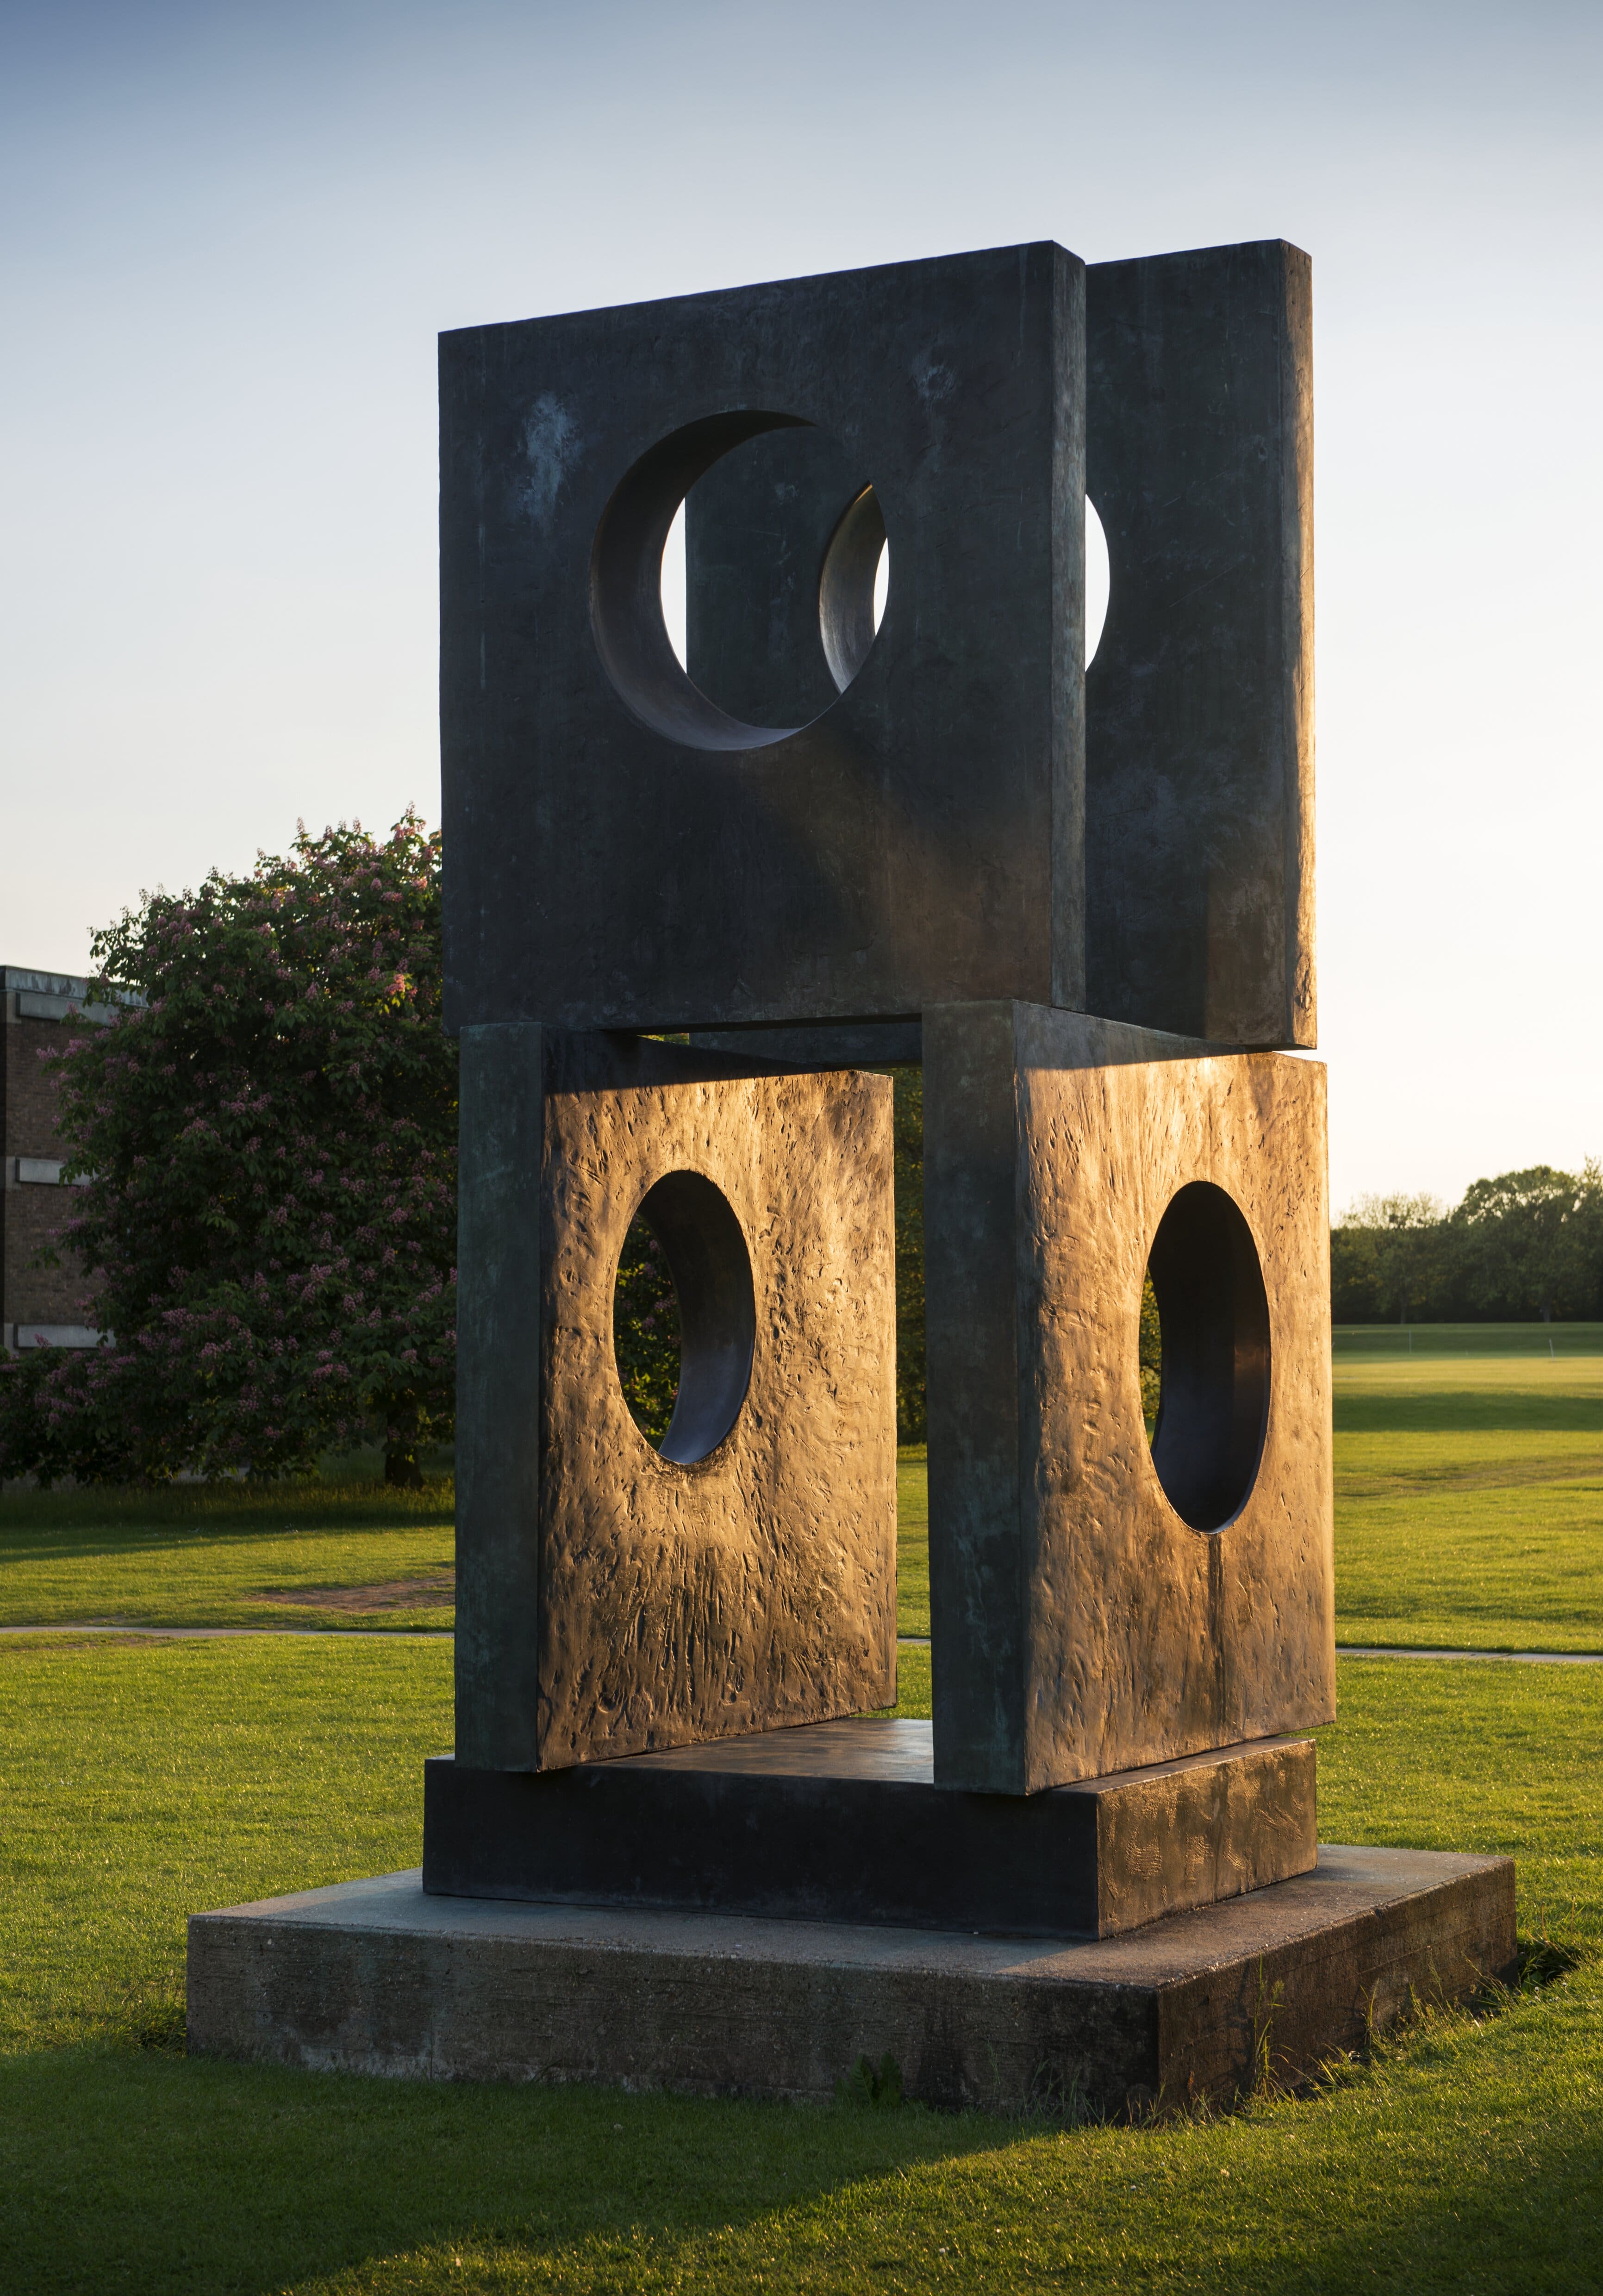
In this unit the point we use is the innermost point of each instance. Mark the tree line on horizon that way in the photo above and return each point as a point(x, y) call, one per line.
point(1525, 1247)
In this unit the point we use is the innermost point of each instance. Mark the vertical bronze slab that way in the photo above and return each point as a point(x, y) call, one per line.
point(623, 853)
point(1079, 1625)
point(750, 1582)
point(1198, 827)
point(612, 1596)
point(499, 1395)
point(1199, 704)
point(978, 1590)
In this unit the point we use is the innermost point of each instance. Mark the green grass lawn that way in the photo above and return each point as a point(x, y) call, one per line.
point(912, 1540)
point(1389, 1342)
point(1468, 1490)
point(318, 1554)
point(142, 1781)
point(1470, 1514)
point(1470, 1501)
point(231, 1556)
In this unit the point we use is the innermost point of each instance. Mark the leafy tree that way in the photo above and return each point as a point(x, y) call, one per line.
point(1524, 1244)
point(1529, 1240)
point(267, 1146)
point(646, 1331)
point(1355, 1295)
point(1394, 1242)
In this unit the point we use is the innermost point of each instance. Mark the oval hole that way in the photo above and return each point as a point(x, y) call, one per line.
point(851, 600)
point(684, 1317)
point(706, 596)
point(1097, 581)
point(672, 585)
point(1214, 1376)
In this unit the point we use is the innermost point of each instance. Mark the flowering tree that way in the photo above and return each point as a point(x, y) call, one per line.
point(266, 1144)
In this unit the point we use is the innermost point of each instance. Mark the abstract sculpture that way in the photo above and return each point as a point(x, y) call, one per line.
point(891, 847)
point(671, 1849)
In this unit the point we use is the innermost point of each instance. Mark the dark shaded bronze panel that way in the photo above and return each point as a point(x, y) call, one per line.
point(1199, 704)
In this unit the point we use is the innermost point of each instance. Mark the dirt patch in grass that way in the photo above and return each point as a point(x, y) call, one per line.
point(386, 1595)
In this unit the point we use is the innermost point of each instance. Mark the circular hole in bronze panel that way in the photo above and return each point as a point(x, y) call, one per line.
point(807, 620)
point(1214, 1381)
point(1097, 580)
point(701, 1260)
point(850, 611)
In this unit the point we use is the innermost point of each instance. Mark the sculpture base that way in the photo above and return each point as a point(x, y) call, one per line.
point(377, 1977)
point(842, 1822)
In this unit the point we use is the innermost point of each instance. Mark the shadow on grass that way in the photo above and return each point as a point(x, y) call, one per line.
point(34, 1525)
point(143, 2169)
point(140, 2169)
point(1469, 1410)
point(1448, 2157)
point(1543, 1960)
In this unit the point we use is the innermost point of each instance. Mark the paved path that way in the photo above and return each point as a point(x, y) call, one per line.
point(1527, 1658)
point(907, 1642)
point(1352, 1650)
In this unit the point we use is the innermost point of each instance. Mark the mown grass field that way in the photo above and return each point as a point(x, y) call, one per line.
point(1470, 1501)
point(1469, 1486)
point(912, 1541)
point(1468, 1490)
point(1469, 1515)
point(144, 1780)
point(346, 1554)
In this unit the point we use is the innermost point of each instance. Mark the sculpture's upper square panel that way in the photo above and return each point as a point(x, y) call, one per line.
point(898, 821)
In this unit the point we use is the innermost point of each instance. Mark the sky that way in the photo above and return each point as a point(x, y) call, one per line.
point(232, 232)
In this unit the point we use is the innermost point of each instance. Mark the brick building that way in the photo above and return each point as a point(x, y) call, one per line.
point(38, 1305)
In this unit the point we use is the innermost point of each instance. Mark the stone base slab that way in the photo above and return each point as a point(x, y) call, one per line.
point(377, 1977)
point(844, 1822)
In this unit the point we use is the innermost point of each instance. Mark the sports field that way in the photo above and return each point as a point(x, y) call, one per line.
point(142, 1779)
point(1468, 1490)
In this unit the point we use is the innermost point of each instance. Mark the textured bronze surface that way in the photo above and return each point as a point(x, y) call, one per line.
point(612, 1599)
point(375, 1976)
point(1079, 1625)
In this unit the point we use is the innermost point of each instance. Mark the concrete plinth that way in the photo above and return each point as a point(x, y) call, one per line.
point(376, 1976)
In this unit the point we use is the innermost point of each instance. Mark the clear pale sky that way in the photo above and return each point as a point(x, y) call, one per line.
point(231, 234)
